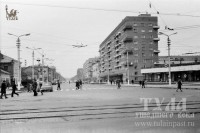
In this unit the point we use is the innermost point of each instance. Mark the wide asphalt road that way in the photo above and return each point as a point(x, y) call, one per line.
point(102, 108)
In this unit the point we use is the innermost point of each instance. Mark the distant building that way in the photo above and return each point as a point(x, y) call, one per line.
point(49, 73)
point(96, 71)
point(80, 75)
point(87, 68)
point(131, 46)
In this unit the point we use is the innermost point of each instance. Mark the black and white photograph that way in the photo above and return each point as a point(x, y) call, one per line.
point(99, 66)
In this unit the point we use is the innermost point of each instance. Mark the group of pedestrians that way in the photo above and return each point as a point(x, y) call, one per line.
point(79, 84)
point(142, 83)
point(4, 86)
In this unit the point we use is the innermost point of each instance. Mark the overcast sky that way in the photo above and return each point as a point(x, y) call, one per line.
point(55, 25)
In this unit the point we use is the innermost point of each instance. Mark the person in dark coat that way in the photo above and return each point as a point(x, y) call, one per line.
point(140, 82)
point(58, 87)
point(143, 84)
point(80, 84)
point(118, 84)
point(179, 84)
point(3, 89)
point(35, 88)
point(77, 85)
point(14, 88)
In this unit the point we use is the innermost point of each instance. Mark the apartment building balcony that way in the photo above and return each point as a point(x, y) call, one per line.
point(156, 51)
point(127, 27)
point(156, 39)
point(117, 55)
point(128, 39)
point(156, 27)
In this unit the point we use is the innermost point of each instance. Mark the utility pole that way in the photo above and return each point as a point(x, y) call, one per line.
point(33, 58)
point(169, 58)
point(128, 69)
point(19, 65)
point(108, 76)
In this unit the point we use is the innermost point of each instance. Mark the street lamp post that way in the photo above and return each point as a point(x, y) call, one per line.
point(128, 69)
point(19, 66)
point(33, 60)
point(108, 82)
point(169, 60)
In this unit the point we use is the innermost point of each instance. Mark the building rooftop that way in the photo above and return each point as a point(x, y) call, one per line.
point(7, 59)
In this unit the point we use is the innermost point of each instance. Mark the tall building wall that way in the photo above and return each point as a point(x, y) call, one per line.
point(131, 46)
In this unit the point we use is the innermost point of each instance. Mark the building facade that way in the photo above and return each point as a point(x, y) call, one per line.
point(9, 66)
point(186, 68)
point(131, 46)
point(96, 71)
point(80, 75)
point(87, 68)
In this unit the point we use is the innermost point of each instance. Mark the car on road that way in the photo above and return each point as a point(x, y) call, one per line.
point(47, 87)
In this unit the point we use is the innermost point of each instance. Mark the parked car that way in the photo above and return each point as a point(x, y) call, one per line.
point(47, 87)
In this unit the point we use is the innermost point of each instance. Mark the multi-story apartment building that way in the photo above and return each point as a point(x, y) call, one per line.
point(87, 68)
point(131, 46)
point(95, 71)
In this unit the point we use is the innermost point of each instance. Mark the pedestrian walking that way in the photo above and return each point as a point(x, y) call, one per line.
point(40, 87)
point(140, 82)
point(58, 87)
point(14, 88)
point(77, 85)
point(35, 88)
point(29, 87)
point(3, 89)
point(118, 84)
point(143, 83)
point(179, 85)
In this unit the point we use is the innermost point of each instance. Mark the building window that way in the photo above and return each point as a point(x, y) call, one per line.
point(151, 36)
point(142, 24)
point(150, 30)
point(150, 24)
point(143, 54)
point(143, 36)
point(135, 24)
point(135, 37)
point(134, 30)
point(136, 61)
point(151, 42)
point(136, 73)
point(135, 49)
point(135, 42)
point(5, 68)
point(142, 30)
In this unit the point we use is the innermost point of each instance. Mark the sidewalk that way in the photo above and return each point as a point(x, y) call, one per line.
point(166, 86)
point(194, 86)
